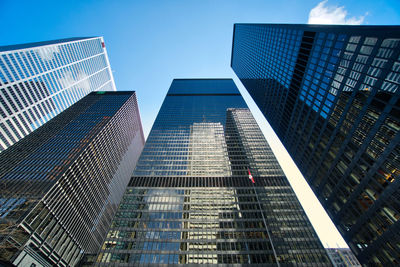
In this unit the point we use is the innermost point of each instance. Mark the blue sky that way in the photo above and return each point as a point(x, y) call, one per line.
point(149, 43)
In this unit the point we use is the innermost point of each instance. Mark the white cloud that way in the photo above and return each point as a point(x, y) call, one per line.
point(81, 81)
point(324, 14)
point(47, 53)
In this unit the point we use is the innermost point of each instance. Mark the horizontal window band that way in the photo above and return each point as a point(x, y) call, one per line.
point(199, 181)
point(203, 95)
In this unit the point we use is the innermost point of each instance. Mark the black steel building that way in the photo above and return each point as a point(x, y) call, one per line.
point(342, 257)
point(61, 185)
point(190, 200)
point(331, 93)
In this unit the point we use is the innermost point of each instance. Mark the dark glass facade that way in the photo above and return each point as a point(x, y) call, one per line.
point(331, 93)
point(190, 200)
point(61, 185)
point(342, 257)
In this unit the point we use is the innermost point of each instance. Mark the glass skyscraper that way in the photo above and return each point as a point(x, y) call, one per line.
point(39, 80)
point(331, 93)
point(61, 185)
point(342, 257)
point(190, 199)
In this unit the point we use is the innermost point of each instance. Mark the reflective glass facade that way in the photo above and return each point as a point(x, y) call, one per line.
point(61, 185)
point(190, 200)
point(39, 80)
point(331, 93)
point(342, 257)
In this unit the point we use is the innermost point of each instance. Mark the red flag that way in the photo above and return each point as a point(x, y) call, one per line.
point(251, 177)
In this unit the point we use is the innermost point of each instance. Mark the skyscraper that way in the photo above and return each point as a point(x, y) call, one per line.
point(39, 80)
point(342, 257)
point(331, 93)
point(61, 185)
point(190, 200)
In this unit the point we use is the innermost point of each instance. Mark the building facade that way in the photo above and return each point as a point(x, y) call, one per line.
point(39, 80)
point(61, 185)
point(190, 200)
point(331, 93)
point(342, 257)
